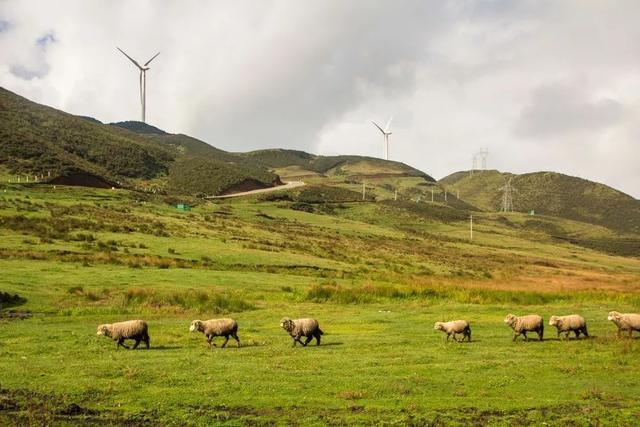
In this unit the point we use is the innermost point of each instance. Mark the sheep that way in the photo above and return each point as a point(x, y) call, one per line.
point(567, 324)
point(216, 328)
point(308, 328)
point(524, 324)
point(454, 327)
point(129, 330)
point(625, 321)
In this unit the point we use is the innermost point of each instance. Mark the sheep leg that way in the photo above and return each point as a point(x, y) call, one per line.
point(515, 335)
point(210, 341)
point(147, 341)
point(584, 332)
point(136, 344)
point(309, 338)
point(318, 338)
point(524, 334)
point(226, 339)
point(296, 339)
point(120, 342)
point(235, 337)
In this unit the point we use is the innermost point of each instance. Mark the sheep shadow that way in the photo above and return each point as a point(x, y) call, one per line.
point(160, 348)
point(323, 344)
point(330, 344)
point(532, 340)
point(561, 339)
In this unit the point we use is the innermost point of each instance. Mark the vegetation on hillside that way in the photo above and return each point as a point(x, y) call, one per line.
point(332, 165)
point(550, 193)
point(140, 127)
point(42, 141)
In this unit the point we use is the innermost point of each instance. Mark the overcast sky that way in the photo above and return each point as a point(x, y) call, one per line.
point(545, 85)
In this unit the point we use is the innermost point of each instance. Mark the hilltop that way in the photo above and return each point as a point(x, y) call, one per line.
point(550, 193)
point(298, 164)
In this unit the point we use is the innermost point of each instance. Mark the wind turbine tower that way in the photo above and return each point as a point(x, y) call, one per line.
point(386, 134)
point(143, 80)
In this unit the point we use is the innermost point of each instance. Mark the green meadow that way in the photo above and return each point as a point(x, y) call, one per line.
point(376, 275)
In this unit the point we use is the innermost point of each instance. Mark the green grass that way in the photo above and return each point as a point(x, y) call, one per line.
point(376, 276)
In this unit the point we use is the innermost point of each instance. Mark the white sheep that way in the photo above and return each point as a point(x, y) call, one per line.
point(129, 330)
point(308, 328)
point(523, 324)
point(454, 327)
point(571, 323)
point(625, 321)
point(216, 328)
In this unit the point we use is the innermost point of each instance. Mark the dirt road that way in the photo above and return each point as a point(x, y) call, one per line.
point(286, 186)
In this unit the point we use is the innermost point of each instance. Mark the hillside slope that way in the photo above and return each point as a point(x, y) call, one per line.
point(347, 165)
point(550, 193)
point(40, 140)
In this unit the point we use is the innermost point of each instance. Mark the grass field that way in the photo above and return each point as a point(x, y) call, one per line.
point(376, 276)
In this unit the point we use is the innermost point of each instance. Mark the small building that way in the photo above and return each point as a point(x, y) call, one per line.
point(183, 207)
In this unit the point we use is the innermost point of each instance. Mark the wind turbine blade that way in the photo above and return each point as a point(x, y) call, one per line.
point(386, 128)
point(376, 125)
point(154, 57)
point(130, 58)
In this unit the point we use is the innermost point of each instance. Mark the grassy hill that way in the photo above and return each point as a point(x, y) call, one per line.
point(375, 275)
point(42, 141)
point(550, 193)
point(38, 139)
point(309, 164)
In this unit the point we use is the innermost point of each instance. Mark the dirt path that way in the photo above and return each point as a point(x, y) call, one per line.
point(286, 186)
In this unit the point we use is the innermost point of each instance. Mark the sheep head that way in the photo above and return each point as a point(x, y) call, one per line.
point(104, 330)
point(614, 316)
point(196, 325)
point(438, 326)
point(510, 319)
point(287, 324)
point(554, 321)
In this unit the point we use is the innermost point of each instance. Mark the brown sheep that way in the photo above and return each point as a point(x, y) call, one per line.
point(130, 330)
point(308, 328)
point(216, 328)
point(625, 321)
point(567, 324)
point(523, 324)
point(454, 327)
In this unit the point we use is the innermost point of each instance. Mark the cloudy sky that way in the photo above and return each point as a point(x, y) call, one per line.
point(545, 85)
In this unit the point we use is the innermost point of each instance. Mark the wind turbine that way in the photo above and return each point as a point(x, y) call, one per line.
point(143, 80)
point(386, 134)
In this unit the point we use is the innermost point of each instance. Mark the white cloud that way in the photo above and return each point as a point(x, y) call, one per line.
point(546, 85)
